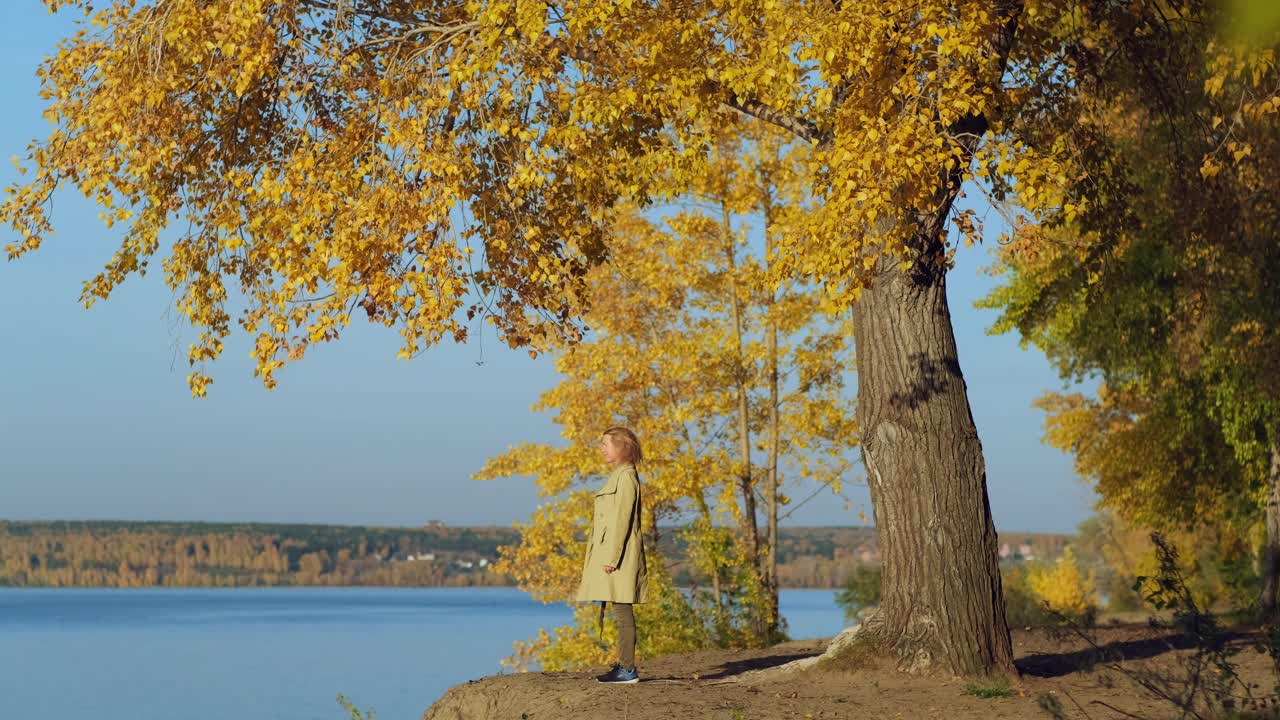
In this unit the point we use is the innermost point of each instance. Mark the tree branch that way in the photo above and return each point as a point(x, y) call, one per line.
point(801, 127)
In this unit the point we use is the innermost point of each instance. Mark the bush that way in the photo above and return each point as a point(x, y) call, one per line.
point(1031, 593)
point(1064, 590)
point(1022, 607)
point(861, 591)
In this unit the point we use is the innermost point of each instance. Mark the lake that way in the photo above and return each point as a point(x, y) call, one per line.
point(272, 654)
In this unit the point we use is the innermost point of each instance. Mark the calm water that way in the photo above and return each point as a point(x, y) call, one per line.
point(272, 654)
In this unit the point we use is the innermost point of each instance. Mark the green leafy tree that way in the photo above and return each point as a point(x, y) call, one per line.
point(1164, 288)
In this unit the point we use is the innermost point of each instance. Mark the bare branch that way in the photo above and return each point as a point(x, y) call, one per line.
point(801, 127)
point(445, 32)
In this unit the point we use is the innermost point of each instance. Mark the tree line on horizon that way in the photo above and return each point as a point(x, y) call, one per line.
point(124, 554)
point(185, 554)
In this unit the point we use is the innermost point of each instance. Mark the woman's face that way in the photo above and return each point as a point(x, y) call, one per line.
point(612, 454)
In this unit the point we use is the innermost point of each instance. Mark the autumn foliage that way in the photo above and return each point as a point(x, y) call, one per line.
point(427, 165)
point(294, 165)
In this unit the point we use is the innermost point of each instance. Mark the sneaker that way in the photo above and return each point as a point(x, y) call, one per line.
point(612, 672)
point(619, 676)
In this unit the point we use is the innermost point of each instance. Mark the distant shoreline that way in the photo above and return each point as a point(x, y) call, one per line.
point(472, 588)
point(350, 526)
point(154, 553)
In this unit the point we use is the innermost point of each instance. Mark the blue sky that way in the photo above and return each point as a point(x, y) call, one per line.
point(96, 420)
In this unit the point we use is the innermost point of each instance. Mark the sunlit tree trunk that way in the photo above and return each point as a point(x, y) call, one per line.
point(942, 607)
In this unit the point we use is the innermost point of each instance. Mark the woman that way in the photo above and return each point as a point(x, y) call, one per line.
point(614, 569)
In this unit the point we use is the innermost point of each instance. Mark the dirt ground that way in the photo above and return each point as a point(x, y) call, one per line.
point(1062, 671)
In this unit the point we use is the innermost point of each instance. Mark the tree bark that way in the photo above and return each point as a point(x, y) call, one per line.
point(942, 607)
point(1271, 552)
point(771, 561)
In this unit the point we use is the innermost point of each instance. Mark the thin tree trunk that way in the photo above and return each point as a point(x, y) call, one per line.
point(745, 481)
point(705, 512)
point(942, 606)
point(1271, 553)
point(771, 498)
point(715, 591)
point(771, 563)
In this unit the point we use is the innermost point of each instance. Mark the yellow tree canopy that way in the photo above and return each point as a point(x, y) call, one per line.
point(425, 161)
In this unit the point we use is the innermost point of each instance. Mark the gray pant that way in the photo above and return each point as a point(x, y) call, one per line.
point(626, 620)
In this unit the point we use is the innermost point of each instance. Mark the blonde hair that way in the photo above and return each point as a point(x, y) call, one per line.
point(627, 441)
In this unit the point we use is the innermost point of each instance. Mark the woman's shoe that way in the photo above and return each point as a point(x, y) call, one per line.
point(620, 676)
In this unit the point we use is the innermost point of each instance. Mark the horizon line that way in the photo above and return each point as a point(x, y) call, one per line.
point(425, 525)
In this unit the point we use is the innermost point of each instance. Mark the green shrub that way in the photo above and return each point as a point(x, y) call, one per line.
point(861, 591)
point(1021, 606)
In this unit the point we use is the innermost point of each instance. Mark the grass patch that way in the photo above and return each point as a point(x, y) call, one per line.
point(993, 688)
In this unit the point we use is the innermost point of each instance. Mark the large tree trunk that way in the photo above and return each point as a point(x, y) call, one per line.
point(1271, 553)
point(941, 604)
point(942, 608)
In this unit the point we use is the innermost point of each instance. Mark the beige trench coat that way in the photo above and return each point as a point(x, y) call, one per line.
point(616, 540)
